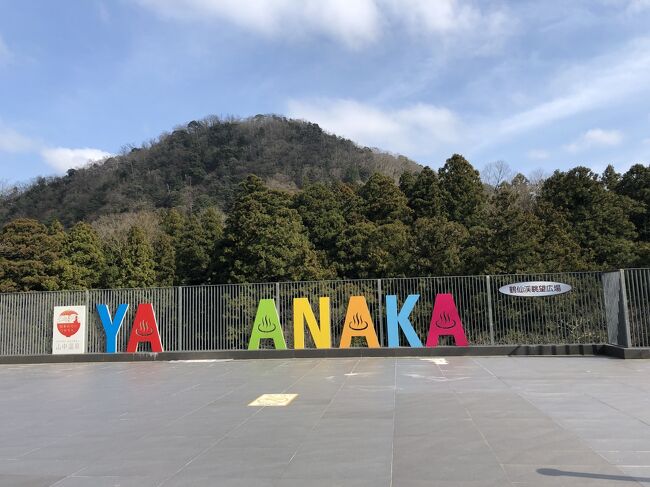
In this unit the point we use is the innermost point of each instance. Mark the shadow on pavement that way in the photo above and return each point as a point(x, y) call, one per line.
point(553, 472)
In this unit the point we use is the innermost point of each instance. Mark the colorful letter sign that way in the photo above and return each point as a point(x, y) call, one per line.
point(358, 323)
point(267, 325)
point(395, 320)
point(445, 321)
point(69, 325)
point(302, 312)
point(112, 325)
point(144, 329)
point(69, 330)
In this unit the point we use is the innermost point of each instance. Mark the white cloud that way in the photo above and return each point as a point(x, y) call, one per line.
point(454, 21)
point(103, 12)
point(12, 141)
point(636, 6)
point(5, 53)
point(596, 138)
point(537, 154)
point(416, 130)
point(62, 158)
point(438, 16)
point(355, 23)
point(612, 78)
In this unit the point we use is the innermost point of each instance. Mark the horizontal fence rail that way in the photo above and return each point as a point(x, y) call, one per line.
point(601, 307)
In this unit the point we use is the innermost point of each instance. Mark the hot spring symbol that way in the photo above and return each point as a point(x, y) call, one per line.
point(266, 325)
point(357, 323)
point(445, 321)
point(143, 329)
point(68, 323)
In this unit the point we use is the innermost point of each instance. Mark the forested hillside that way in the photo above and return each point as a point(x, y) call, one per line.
point(430, 223)
point(199, 166)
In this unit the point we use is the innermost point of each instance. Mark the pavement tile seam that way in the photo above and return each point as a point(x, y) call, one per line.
point(347, 377)
point(544, 414)
point(316, 363)
point(477, 427)
point(604, 431)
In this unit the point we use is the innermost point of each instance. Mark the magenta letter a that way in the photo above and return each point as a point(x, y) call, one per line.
point(445, 321)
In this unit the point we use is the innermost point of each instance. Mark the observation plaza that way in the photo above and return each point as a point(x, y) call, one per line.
point(460, 381)
point(356, 421)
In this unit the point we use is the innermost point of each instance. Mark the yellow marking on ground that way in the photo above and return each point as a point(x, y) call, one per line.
point(273, 400)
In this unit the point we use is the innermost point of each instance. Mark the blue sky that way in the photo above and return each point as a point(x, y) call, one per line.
point(541, 85)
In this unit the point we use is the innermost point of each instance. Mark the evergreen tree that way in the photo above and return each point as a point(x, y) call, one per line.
point(173, 223)
point(83, 264)
point(406, 183)
point(390, 250)
point(265, 240)
point(514, 235)
point(352, 247)
point(437, 247)
point(610, 178)
point(321, 210)
point(134, 266)
point(474, 258)
point(462, 191)
point(192, 253)
point(558, 248)
point(366, 250)
point(58, 237)
point(199, 240)
point(195, 240)
point(352, 205)
point(635, 184)
point(383, 202)
point(28, 256)
point(165, 260)
point(212, 224)
point(599, 219)
point(425, 197)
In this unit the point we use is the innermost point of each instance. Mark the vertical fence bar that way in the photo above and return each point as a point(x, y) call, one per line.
point(489, 306)
point(380, 311)
point(625, 316)
point(179, 318)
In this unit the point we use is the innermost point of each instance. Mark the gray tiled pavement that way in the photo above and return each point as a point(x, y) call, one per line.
point(499, 421)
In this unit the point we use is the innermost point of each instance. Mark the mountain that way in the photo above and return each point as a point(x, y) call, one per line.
point(200, 165)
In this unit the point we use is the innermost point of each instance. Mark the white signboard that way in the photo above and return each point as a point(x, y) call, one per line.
point(69, 330)
point(535, 288)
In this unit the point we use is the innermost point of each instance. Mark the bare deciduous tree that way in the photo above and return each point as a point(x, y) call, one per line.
point(497, 172)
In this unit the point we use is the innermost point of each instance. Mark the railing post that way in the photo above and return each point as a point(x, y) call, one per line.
point(278, 307)
point(179, 318)
point(489, 303)
point(381, 313)
point(624, 314)
point(87, 297)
